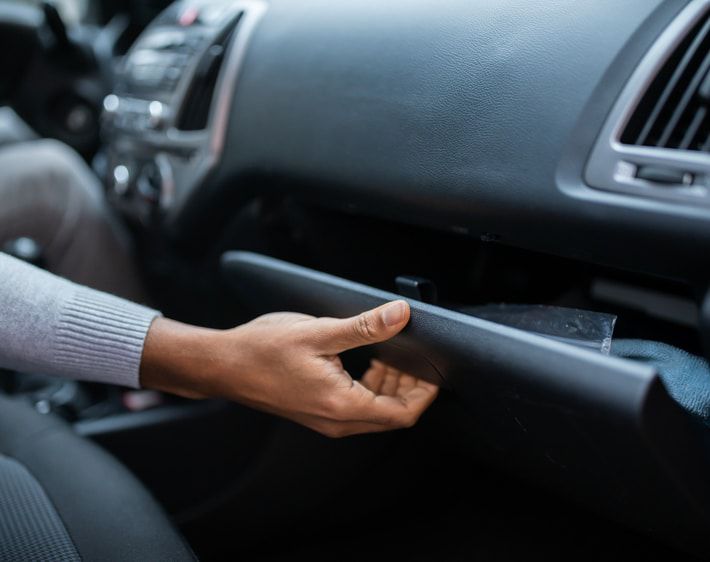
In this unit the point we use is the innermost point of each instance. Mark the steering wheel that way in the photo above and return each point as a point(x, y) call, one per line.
point(54, 77)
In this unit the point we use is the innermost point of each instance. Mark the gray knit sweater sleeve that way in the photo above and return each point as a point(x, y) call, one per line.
point(53, 326)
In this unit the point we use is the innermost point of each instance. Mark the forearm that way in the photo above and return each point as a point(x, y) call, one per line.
point(51, 325)
point(283, 363)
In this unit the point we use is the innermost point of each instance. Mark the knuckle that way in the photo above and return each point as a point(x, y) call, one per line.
point(365, 327)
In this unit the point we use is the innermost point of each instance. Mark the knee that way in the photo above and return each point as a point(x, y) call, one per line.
point(53, 157)
point(61, 171)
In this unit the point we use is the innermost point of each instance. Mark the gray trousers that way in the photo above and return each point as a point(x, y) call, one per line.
point(49, 194)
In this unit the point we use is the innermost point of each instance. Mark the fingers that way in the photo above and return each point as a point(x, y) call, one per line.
point(348, 429)
point(374, 377)
point(406, 407)
point(384, 399)
point(382, 379)
point(409, 399)
point(338, 430)
point(382, 413)
point(373, 326)
point(391, 382)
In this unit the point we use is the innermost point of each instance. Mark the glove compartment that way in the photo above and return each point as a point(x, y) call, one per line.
point(596, 428)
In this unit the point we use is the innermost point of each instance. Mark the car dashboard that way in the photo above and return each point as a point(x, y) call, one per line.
point(471, 118)
point(406, 137)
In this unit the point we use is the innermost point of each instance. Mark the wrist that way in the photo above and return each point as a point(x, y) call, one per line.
point(179, 358)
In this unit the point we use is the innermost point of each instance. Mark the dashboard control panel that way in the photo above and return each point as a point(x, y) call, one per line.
point(171, 89)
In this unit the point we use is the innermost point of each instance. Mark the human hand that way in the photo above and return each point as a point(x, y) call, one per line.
point(287, 364)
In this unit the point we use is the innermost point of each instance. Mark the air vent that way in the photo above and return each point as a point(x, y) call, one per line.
point(675, 110)
point(196, 107)
point(656, 141)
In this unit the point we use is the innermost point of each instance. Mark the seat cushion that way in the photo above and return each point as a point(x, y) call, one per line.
point(74, 494)
point(30, 527)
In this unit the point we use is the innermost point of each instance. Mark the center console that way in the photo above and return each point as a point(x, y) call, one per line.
point(163, 128)
point(164, 122)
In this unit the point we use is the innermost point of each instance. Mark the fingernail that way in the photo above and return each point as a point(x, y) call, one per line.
point(394, 313)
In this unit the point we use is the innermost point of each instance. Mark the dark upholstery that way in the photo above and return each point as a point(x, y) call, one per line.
point(30, 527)
point(106, 512)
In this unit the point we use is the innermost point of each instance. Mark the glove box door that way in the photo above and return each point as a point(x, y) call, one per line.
point(596, 428)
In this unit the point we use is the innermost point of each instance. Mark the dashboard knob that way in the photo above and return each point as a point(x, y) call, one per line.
point(111, 104)
point(121, 179)
point(149, 183)
point(156, 114)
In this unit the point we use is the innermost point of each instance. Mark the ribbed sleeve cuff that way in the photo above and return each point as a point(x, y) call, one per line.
point(100, 337)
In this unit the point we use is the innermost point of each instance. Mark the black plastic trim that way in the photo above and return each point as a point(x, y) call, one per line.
point(599, 428)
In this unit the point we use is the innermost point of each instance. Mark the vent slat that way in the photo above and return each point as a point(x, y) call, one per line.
point(693, 129)
point(706, 146)
point(672, 83)
point(685, 101)
point(674, 112)
point(194, 114)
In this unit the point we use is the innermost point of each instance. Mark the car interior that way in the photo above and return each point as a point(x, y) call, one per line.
point(532, 176)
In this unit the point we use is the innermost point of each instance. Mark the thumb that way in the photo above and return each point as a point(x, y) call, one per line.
point(374, 326)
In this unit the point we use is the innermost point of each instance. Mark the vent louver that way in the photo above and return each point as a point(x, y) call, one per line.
point(196, 107)
point(675, 110)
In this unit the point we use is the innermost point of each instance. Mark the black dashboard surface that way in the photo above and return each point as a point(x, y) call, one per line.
point(467, 115)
